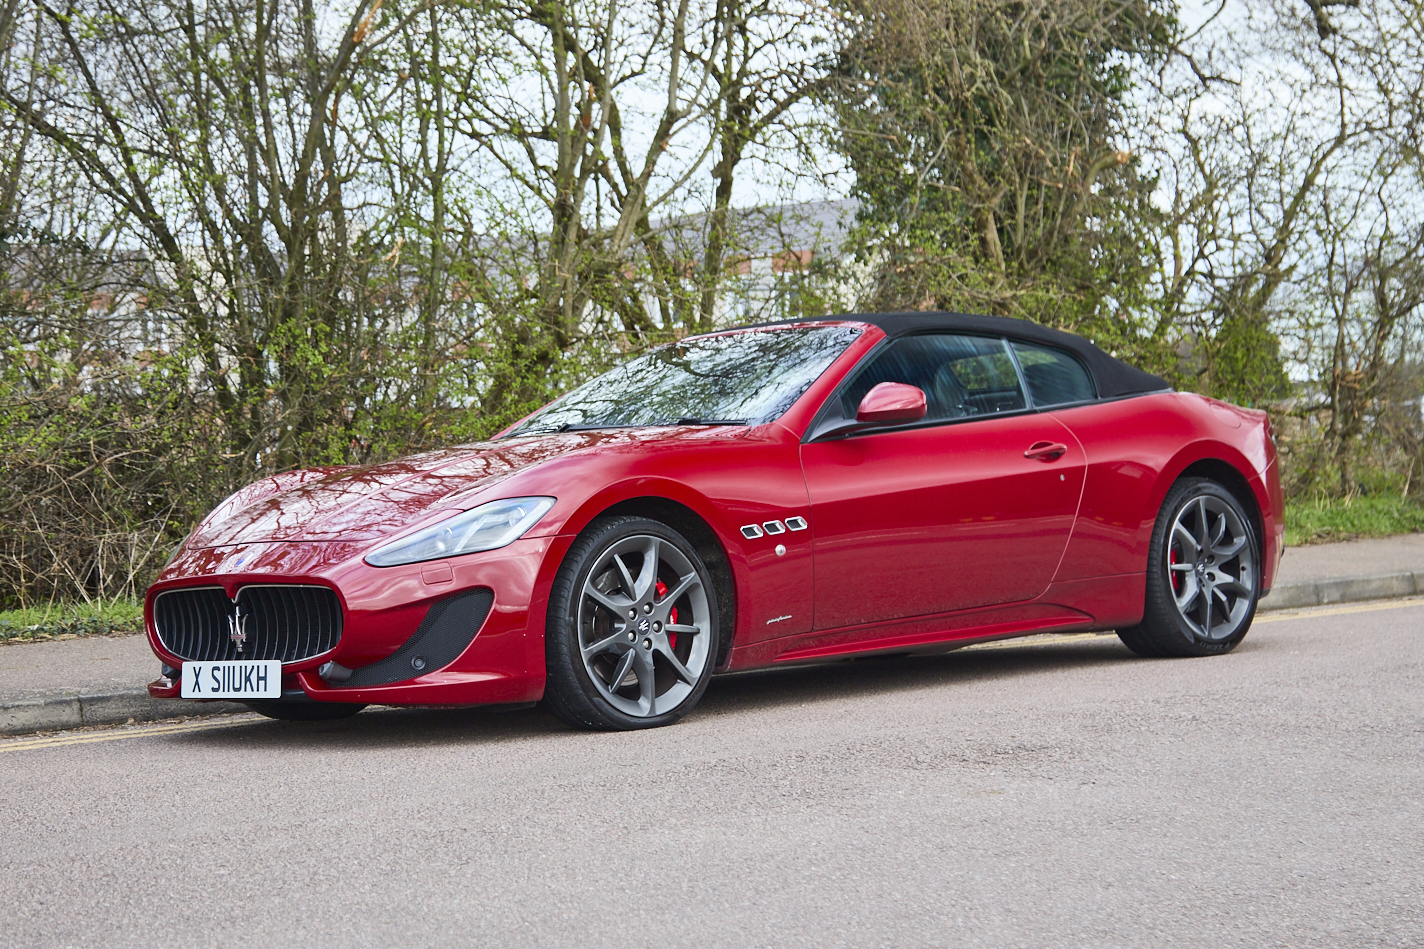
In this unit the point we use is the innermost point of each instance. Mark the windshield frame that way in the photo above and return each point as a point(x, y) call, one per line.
point(855, 334)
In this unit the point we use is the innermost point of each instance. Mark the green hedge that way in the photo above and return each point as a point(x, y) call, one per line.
point(1313, 522)
point(109, 618)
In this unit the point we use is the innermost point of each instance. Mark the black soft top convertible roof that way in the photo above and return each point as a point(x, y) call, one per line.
point(1113, 376)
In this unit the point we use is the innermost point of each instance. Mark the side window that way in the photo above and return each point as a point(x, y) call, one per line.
point(961, 376)
point(1053, 376)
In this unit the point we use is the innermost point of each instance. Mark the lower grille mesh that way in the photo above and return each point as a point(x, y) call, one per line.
point(286, 622)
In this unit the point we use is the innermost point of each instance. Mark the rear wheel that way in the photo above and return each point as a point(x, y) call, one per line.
point(631, 635)
point(1203, 576)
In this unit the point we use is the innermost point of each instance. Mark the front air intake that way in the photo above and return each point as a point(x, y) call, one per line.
point(279, 621)
point(448, 629)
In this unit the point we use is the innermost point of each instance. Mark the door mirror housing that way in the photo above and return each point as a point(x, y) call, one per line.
point(891, 402)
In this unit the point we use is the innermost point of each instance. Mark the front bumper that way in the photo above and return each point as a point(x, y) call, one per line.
point(382, 608)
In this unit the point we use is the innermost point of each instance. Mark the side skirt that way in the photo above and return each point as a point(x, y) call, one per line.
point(1074, 606)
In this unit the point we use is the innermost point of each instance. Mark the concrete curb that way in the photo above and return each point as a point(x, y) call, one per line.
point(1384, 586)
point(114, 708)
point(51, 713)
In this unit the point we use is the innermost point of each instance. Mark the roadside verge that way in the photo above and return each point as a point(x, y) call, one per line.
point(1381, 586)
point(51, 713)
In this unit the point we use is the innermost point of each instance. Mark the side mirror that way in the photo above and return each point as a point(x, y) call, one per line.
point(892, 402)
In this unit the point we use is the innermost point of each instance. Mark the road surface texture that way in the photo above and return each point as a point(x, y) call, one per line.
point(1059, 793)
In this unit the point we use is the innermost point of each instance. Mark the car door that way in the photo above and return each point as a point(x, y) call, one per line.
point(971, 507)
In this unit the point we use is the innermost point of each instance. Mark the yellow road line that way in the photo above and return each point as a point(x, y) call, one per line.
point(1312, 611)
point(140, 731)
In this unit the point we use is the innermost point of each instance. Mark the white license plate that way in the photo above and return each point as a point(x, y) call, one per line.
point(239, 679)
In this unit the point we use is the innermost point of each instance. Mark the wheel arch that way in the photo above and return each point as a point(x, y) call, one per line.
point(705, 541)
point(1228, 468)
point(1230, 478)
point(1159, 635)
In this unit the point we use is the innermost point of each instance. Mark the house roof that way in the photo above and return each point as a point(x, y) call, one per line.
point(767, 230)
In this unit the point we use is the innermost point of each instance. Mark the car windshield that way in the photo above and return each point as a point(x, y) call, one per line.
point(743, 378)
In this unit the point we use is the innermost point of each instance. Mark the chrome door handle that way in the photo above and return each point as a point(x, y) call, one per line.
point(1046, 451)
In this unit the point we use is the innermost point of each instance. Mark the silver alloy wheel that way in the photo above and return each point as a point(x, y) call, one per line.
point(1212, 566)
point(639, 648)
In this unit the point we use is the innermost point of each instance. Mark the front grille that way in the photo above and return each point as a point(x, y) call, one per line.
point(288, 622)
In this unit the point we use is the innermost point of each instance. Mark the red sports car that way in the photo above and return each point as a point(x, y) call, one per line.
point(793, 492)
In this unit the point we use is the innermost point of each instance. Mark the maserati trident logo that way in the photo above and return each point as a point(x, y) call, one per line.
point(237, 627)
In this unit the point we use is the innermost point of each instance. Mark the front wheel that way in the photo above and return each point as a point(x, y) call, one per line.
point(1203, 575)
point(631, 635)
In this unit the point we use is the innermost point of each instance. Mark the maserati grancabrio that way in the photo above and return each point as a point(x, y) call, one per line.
point(795, 492)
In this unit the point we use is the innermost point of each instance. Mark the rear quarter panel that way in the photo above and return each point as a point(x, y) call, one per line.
point(1136, 449)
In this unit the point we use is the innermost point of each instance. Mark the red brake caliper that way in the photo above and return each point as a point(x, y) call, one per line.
point(672, 615)
point(1176, 575)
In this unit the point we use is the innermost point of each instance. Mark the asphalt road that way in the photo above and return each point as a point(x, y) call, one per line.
point(1053, 795)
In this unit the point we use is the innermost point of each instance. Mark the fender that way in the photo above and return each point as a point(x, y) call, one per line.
point(767, 585)
point(649, 486)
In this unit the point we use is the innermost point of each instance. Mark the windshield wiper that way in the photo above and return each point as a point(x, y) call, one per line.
point(571, 427)
point(550, 429)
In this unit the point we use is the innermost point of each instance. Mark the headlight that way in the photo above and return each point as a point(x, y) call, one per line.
point(484, 528)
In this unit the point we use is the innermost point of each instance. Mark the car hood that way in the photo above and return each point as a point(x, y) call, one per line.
point(370, 503)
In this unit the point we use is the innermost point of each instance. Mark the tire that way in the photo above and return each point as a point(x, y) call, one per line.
point(1203, 575)
point(305, 711)
point(612, 671)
